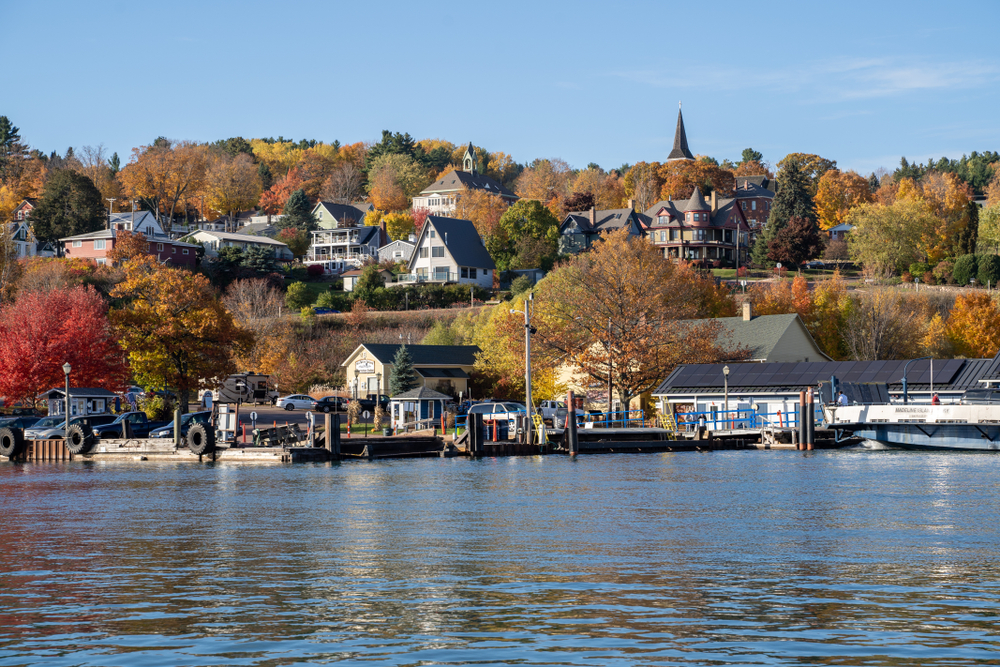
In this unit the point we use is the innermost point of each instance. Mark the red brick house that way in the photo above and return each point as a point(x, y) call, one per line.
point(24, 209)
point(97, 245)
point(755, 197)
point(699, 230)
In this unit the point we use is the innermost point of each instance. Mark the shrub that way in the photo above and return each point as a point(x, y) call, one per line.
point(308, 315)
point(520, 284)
point(988, 270)
point(943, 272)
point(742, 272)
point(965, 270)
point(929, 279)
point(157, 408)
point(919, 268)
point(334, 300)
point(907, 277)
point(298, 296)
point(314, 271)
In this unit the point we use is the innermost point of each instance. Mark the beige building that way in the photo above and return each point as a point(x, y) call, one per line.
point(443, 368)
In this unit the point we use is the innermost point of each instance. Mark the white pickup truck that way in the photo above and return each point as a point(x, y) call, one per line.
point(548, 409)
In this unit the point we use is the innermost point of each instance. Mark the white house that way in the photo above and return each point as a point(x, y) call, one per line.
point(22, 238)
point(143, 222)
point(343, 248)
point(397, 251)
point(449, 250)
point(213, 241)
point(441, 196)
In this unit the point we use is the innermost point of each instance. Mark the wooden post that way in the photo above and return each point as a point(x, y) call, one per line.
point(802, 422)
point(573, 445)
point(333, 430)
point(475, 426)
point(810, 421)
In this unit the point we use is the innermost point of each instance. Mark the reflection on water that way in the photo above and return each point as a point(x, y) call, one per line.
point(843, 558)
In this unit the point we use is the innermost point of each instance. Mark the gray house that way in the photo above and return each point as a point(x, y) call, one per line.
point(397, 251)
point(581, 229)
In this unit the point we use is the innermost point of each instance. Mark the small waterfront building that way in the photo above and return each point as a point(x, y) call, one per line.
point(416, 405)
point(82, 401)
point(444, 368)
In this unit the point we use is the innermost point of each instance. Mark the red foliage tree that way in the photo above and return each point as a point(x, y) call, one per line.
point(274, 200)
point(41, 331)
point(419, 217)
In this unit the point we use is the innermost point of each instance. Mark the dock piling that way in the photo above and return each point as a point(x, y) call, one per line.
point(573, 445)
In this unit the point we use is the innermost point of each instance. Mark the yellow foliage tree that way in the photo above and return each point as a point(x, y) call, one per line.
point(399, 225)
point(280, 156)
point(974, 325)
point(837, 194)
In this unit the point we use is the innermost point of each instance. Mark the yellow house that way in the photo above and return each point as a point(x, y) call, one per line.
point(443, 368)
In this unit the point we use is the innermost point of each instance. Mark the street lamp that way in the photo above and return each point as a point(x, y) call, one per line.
point(725, 379)
point(378, 380)
point(528, 330)
point(356, 374)
point(906, 396)
point(66, 369)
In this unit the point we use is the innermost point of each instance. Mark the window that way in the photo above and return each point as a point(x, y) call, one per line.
point(173, 249)
point(465, 272)
point(437, 251)
point(753, 204)
point(101, 260)
point(744, 205)
point(423, 253)
point(663, 219)
point(674, 234)
point(431, 234)
point(397, 253)
point(77, 244)
point(100, 244)
point(700, 234)
point(441, 273)
point(159, 246)
point(185, 251)
point(472, 273)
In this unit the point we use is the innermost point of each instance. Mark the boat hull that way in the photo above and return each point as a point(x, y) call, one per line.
point(968, 437)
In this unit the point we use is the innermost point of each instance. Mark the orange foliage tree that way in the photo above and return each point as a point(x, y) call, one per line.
point(974, 325)
point(127, 246)
point(275, 198)
point(643, 183)
point(838, 192)
point(164, 174)
point(681, 177)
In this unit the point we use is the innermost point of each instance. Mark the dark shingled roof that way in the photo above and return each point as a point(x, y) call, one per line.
point(353, 212)
point(462, 241)
point(762, 181)
point(605, 221)
point(467, 180)
point(721, 215)
point(748, 190)
point(681, 150)
point(697, 202)
point(427, 355)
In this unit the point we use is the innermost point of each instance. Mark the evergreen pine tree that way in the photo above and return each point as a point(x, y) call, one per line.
point(967, 238)
point(792, 201)
point(403, 377)
point(297, 213)
point(70, 204)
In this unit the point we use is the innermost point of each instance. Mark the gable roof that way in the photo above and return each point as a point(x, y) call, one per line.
point(259, 229)
point(762, 180)
point(462, 241)
point(842, 227)
point(423, 355)
point(750, 190)
point(681, 150)
point(421, 393)
point(762, 333)
point(355, 211)
point(720, 216)
point(604, 221)
point(467, 180)
point(239, 238)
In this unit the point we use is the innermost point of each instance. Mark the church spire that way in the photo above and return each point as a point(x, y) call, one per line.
point(681, 150)
point(469, 160)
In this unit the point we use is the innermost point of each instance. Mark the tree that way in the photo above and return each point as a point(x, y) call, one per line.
point(298, 296)
point(343, 185)
point(369, 282)
point(70, 205)
point(399, 225)
point(989, 227)
point(10, 268)
point(276, 197)
point(403, 377)
point(888, 238)
point(881, 326)
point(484, 209)
point(174, 328)
point(607, 190)
point(988, 270)
point(793, 199)
point(680, 178)
point(41, 331)
point(838, 192)
point(298, 213)
point(545, 180)
point(795, 243)
point(974, 325)
point(966, 269)
point(616, 314)
point(259, 259)
point(163, 174)
point(256, 306)
point(526, 219)
point(128, 246)
point(643, 184)
point(810, 165)
point(297, 240)
point(750, 155)
point(232, 184)
point(969, 234)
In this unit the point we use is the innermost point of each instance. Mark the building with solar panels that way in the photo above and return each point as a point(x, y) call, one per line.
point(775, 386)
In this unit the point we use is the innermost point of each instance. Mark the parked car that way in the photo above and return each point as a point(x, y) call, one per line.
point(549, 410)
point(18, 422)
point(815, 264)
point(55, 426)
point(186, 421)
point(496, 411)
point(370, 401)
point(297, 402)
point(331, 404)
point(24, 412)
point(139, 426)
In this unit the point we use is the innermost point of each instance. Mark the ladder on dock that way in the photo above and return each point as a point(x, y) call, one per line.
point(668, 421)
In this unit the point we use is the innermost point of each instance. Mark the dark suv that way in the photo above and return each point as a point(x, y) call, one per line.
point(331, 404)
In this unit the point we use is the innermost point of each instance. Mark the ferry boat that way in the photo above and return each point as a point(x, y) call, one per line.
point(973, 424)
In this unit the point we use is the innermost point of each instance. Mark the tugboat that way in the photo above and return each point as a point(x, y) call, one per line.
point(973, 424)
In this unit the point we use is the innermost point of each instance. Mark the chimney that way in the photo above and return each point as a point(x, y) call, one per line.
point(715, 204)
point(631, 204)
point(593, 216)
point(747, 311)
point(384, 235)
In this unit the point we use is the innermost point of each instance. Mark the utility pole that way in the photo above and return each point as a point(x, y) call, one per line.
point(528, 330)
point(111, 209)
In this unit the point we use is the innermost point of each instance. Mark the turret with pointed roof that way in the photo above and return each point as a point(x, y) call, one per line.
point(681, 150)
point(697, 202)
point(469, 159)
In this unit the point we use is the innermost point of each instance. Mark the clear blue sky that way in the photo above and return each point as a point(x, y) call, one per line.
point(859, 82)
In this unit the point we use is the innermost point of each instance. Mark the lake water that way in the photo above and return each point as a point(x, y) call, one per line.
point(727, 558)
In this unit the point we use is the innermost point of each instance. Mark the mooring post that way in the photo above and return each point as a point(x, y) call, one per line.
point(801, 421)
point(475, 434)
point(573, 444)
point(810, 422)
point(333, 430)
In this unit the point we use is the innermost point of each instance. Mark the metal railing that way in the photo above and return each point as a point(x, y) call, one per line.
point(426, 278)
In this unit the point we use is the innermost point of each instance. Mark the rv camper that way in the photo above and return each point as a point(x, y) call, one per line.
point(246, 388)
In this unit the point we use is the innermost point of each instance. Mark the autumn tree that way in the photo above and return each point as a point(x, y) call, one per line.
point(344, 184)
point(525, 220)
point(643, 183)
point(394, 179)
point(10, 268)
point(607, 190)
point(796, 242)
point(256, 305)
point(616, 313)
point(680, 178)
point(175, 330)
point(232, 184)
point(70, 205)
point(42, 330)
point(297, 240)
point(753, 168)
point(838, 192)
point(974, 325)
point(811, 166)
point(128, 246)
point(989, 227)
point(880, 325)
point(399, 226)
point(888, 238)
point(274, 199)
point(484, 209)
point(545, 180)
point(93, 163)
point(163, 174)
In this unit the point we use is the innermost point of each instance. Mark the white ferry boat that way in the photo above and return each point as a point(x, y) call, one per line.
point(973, 424)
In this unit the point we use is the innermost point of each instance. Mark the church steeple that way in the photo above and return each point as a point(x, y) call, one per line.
point(469, 159)
point(681, 150)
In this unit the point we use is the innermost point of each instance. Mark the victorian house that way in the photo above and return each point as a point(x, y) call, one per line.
point(712, 232)
point(755, 197)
